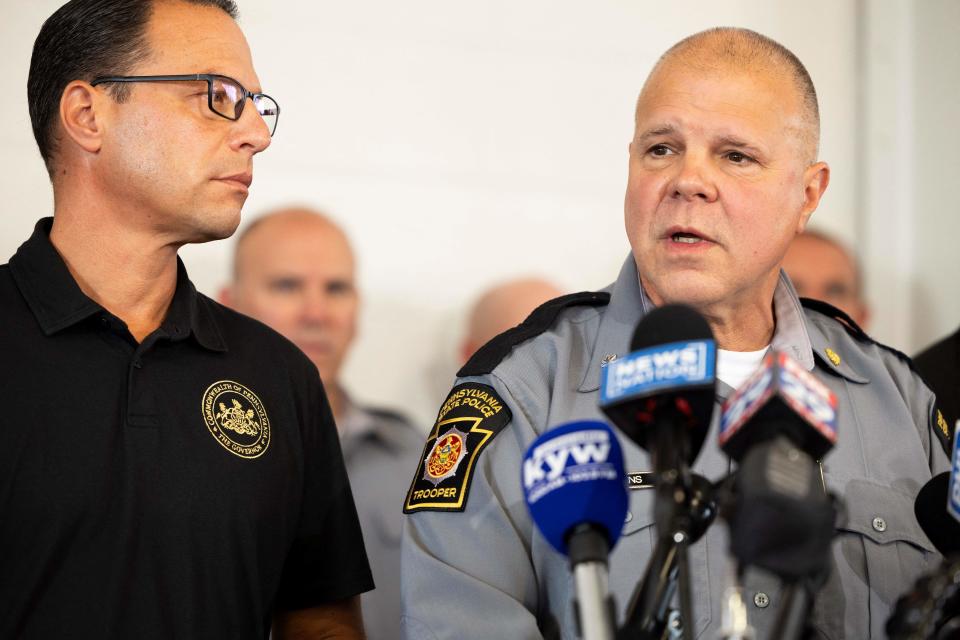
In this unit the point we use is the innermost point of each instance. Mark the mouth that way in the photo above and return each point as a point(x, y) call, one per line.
point(686, 237)
point(239, 179)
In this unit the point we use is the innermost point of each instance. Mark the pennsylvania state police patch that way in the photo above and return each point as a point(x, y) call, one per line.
point(470, 417)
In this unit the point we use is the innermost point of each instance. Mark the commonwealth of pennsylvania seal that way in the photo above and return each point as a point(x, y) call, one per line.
point(236, 418)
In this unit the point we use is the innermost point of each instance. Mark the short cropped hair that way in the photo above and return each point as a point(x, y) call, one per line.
point(738, 48)
point(82, 40)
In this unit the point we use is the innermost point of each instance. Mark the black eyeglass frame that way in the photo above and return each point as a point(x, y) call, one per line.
point(197, 77)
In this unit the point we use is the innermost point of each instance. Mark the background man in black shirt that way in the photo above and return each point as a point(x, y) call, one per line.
point(169, 468)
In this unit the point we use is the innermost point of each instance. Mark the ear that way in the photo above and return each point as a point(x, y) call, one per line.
point(78, 115)
point(816, 177)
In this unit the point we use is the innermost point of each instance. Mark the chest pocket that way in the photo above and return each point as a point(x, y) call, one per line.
point(633, 552)
point(880, 552)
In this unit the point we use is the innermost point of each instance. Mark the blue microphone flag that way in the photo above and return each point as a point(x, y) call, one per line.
point(666, 366)
point(573, 474)
point(953, 495)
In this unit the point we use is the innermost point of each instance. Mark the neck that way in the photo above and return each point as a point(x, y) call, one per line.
point(337, 399)
point(130, 272)
point(738, 323)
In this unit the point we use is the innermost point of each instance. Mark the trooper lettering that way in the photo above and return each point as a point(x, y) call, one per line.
point(421, 494)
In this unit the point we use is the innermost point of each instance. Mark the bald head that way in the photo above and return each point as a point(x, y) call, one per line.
point(293, 270)
point(822, 268)
point(502, 307)
point(286, 226)
point(745, 51)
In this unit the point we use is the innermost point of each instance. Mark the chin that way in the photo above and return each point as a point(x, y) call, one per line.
point(696, 291)
point(215, 226)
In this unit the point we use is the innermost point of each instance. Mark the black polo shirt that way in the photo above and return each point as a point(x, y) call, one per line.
point(183, 487)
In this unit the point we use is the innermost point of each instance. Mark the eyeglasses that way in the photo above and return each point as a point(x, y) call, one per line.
point(225, 96)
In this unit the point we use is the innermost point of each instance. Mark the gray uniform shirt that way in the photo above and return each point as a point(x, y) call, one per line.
point(487, 573)
point(379, 448)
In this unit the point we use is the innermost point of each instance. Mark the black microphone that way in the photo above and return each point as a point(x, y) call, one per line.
point(930, 507)
point(779, 514)
point(661, 395)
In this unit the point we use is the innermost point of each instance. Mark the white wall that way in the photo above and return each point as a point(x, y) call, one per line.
point(460, 144)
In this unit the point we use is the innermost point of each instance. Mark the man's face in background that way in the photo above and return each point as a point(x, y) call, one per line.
point(295, 272)
point(822, 269)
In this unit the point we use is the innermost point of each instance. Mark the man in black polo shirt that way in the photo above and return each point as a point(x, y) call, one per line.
point(168, 468)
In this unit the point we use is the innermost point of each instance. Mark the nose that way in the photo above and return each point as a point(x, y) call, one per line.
point(315, 309)
point(251, 132)
point(693, 180)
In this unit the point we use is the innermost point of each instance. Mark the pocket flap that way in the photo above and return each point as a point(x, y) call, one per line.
point(882, 514)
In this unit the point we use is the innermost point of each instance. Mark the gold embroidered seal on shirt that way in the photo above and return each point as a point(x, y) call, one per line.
point(236, 419)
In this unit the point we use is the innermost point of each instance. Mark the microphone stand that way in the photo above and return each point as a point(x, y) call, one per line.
point(648, 613)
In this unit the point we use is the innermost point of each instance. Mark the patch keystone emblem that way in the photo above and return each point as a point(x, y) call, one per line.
point(236, 418)
point(445, 456)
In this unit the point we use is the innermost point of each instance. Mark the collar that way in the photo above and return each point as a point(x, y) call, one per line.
point(358, 423)
point(629, 303)
point(57, 302)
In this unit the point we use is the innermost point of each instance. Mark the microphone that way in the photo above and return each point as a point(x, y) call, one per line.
point(931, 509)
point(937, 506)
point(661, 395)
point(779, 514)
point(780, 398)
point(574, 485)
point(932, 608)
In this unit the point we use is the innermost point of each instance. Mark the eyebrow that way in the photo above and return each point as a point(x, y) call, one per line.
point(657, 131)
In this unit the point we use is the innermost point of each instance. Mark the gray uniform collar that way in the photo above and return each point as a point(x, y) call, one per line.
point(629, 303)
point(359, 424)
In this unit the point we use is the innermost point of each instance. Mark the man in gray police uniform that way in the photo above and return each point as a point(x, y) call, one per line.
point(722, 176)
point(294, 270)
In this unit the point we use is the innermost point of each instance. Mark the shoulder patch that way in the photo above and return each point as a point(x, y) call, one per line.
point(540, 319)
point(469, 419)
point(941, 429)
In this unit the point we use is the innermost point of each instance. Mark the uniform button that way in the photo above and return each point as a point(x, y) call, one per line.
point(607, 359)
point(138, 364)
point(761, 599)
point(104, 321)
point(879, 524)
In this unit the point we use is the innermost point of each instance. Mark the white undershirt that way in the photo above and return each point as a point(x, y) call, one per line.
point(734, 367)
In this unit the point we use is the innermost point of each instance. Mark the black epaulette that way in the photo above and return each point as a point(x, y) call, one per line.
point(941, 430)
point(542, 318)
point(840, 316)
point(854, 329)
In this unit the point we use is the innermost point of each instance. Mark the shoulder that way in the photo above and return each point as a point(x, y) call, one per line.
point(549, 321)
point(837, 327)
point(243, 333)
point(873, 360)
point(394, 425)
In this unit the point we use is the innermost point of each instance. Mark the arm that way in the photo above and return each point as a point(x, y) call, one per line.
point(336, 621)
point(470, 573)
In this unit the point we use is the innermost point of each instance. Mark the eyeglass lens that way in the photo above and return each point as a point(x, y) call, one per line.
point(227, 98)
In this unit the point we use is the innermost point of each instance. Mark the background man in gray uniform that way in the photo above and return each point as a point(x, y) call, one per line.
point(722, 176)
point(294, 270)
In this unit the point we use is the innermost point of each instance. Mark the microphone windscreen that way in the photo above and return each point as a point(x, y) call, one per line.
point(930, 507)
point(573, 474)
point(669, 377)
point(670, 323)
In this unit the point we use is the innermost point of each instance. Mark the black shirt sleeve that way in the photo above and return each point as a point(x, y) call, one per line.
point(327, 561)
